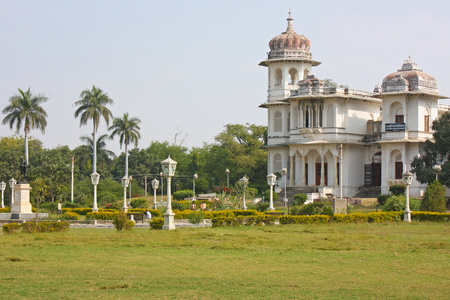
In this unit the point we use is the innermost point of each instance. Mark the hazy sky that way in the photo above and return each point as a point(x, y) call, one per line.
point(192, 66)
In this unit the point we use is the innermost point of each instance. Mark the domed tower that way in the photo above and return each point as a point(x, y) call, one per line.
point(409, 106)
point(288, 62)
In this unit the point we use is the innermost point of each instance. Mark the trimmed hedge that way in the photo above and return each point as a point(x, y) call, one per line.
point(218, 213)
point(351, 218)
point(5, 210)
point(430, 216)
point(155, 213)
point(243, 220)
point(156, 223)
point(102, 215)
point(11, 228)
point(384, 216)
point(314, 219)
point(70, 216)
point(47, 226)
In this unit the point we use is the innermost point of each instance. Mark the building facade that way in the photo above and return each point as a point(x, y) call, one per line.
point(337, 139)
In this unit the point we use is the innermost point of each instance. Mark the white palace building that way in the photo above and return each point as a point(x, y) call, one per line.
point(308, 124)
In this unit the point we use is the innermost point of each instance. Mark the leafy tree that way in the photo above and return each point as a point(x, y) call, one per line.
point(328, 83)
point(128, 131)
point(53, 166)
point(10, 151)
point(25, 109)
point(434, 199)
point(92, 106)
point(436, 151)
point(39, 191)
point(104, 156)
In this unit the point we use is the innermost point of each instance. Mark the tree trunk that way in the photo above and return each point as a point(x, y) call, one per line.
point(126, 160)
point(94, 155)
point(26, 143)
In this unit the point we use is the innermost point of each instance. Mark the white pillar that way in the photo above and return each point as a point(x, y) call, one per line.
point(271, 198)
point(407, 213)
point(291, 171)
point(322, 171)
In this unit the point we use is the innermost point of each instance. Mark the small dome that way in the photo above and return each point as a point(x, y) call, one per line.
point(289, 44)
point(409, 78)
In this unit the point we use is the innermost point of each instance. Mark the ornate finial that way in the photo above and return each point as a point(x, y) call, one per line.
point(289, 19)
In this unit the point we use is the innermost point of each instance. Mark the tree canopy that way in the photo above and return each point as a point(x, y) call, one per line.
point(436, 151)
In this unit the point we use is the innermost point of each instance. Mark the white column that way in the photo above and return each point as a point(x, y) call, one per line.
point(322, 171)
point(302, 170)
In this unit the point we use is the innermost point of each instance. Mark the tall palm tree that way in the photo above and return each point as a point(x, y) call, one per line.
point(128, 131)
point(92, 106)
point(26, 109)
point(104, 156)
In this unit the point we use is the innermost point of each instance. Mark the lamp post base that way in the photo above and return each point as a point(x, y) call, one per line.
point(407, 216)
point(169, 221)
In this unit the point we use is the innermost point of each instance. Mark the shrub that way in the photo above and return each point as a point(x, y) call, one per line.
point(107, 197)
point(182, 194)
point(70, 216)
point(381, 199)
point(262, 207)
point(155, 213)
point(351, 218)
point(81, 211)
point(266, 195)
point(243, 220)
point(71, 205)
point(300, 199)
point(50, 206)
point(308, 209)
point(196, 217)
point(156, 223)
point(11, 228)
point(47, 226)
point(101, 215)
point(121, 222)
point(383, 216)
point(398, 203)
point(316, 219)
point(397, 189)
point(139, 203)
point(434, 199)
point(5, 210)
point(430, 216)
point(115, 206)
point(176, 205)
point(328, 211)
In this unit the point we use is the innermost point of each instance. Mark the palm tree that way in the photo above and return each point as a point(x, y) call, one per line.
point(92, 107)
point(26, 109)
point(104, 155)
point(128, 130)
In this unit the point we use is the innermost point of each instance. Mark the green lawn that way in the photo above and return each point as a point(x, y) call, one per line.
point(330, 261)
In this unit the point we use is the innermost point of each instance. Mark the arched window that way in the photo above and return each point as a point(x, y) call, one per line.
point(276, 163)
point(305, 73)
point(426, 121)
point(277, 121)
point(288, 123)
point(278, 77)
point(307, 115)
point(398, 167)
point(294, 76)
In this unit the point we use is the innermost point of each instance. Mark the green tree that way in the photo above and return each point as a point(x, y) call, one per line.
point(104, 156)
point(25, 109)
point(92, 106)
point(128, 131)
point(436, 151)
point(434, 199)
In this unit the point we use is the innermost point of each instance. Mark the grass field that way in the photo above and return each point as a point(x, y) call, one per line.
point(331, 261)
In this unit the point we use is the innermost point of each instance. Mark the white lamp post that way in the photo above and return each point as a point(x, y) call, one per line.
point(130, 178)
point(194, 177)
point(284, 173)
point(407, 180)
point(271, 179)
point(437, 169)
point(244, 182)
point(95, 178)
point(228, 177)
point(162, 186)
point(12, 184)
point(155, 184)
point(2, 188)
point(169, 166)
point(125, 182)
